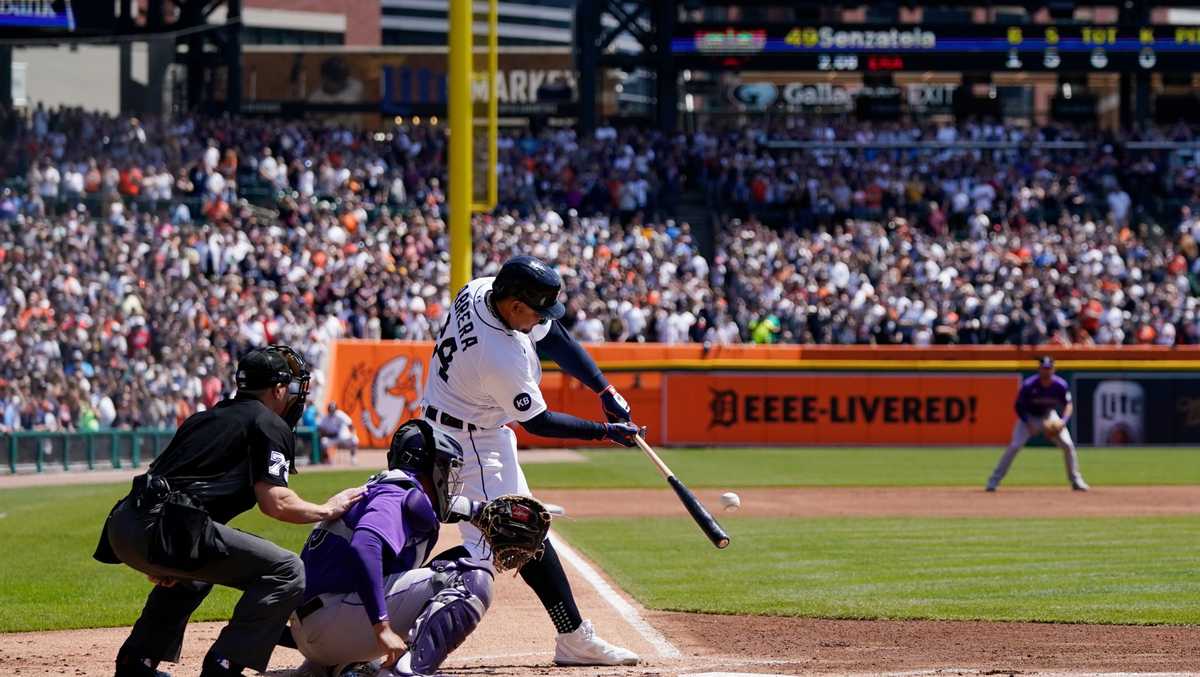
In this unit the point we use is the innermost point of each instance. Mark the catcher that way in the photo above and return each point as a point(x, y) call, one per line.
point(1039, 402)
point(370, 606)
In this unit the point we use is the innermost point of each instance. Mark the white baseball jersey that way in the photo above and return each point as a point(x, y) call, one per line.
point(481, 372)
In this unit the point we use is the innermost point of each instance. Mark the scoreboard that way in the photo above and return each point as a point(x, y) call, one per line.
point(922, 47)
point(37, 14)
point(64, 20)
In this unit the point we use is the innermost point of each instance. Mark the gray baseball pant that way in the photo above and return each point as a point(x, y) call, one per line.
point(1022, 432)
point(436, 607)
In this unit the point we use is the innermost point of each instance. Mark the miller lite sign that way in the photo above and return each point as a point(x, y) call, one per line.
point(1118, 414)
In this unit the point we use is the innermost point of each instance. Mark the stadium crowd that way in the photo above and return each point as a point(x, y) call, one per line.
point(141, 258)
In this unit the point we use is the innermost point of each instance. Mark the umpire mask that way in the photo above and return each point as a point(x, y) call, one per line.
point(273, 366)
point(421, 451)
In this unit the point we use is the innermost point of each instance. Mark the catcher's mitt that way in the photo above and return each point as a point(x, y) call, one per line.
point(515, 528)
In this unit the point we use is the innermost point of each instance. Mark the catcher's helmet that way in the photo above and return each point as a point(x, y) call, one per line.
point(532, 282)
point(274, 365)
point(424, 452)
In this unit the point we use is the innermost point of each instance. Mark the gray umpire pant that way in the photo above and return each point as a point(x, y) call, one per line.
point(271, 578)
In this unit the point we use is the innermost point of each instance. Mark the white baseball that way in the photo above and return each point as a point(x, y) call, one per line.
point(730, 501)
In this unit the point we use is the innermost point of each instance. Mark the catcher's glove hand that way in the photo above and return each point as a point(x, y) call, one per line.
point(515, 528)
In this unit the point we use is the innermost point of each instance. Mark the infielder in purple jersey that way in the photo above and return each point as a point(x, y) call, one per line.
point(1043, 406)
point(366, 588)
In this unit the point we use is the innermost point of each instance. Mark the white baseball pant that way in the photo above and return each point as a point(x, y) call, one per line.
point(1022, 432)
point(490, 469)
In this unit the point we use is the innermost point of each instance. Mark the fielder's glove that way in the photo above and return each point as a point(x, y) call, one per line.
point(1053, 425)
point(623, 433)
point(616, 409)
point(515, 528)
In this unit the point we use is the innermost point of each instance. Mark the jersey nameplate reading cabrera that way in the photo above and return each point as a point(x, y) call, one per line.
point(482, 372)
point(448, 345)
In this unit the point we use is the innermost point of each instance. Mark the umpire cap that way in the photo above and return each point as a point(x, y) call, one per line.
point(532, 282)
point(271, 366)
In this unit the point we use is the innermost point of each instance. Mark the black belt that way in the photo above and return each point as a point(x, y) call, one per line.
point(309, 608)
point(434, 414)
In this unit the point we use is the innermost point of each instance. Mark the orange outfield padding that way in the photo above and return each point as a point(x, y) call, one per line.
point(379, 383)
point(837, 409)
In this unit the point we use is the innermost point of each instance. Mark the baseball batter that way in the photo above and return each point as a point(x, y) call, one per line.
point(1043, 406)
point(485, 373)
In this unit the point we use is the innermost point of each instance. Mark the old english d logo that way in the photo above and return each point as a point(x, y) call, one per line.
point(723, 408)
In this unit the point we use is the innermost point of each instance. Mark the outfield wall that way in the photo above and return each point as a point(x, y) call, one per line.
point(816, 395)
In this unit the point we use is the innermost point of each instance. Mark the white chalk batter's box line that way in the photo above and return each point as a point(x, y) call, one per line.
point(626, 610)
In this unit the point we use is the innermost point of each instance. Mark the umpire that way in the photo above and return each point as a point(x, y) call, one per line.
point(172, 525)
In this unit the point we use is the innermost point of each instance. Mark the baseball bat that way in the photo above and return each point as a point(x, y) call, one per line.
point(704, 519)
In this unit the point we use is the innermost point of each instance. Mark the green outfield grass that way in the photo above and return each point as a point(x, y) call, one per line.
point(49, 581)
point(1113, 570)
point(1066, 570)
point(865, 467)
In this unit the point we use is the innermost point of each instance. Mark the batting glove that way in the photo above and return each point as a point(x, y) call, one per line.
point(623, 433)
point(616, 409)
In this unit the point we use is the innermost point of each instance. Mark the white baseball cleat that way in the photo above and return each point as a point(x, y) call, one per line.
point(583, 647)
point(1080, 485)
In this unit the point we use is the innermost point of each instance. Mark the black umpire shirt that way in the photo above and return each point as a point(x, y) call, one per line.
point(218, 455)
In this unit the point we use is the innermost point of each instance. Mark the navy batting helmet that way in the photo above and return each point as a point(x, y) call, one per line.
point(532, 282)
point(422, 451)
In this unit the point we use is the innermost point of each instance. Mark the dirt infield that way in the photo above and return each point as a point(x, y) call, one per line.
point(516, 638)
point(892, 502)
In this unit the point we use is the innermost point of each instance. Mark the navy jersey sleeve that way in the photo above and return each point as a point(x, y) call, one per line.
point(565, 351)
point(272, 450)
